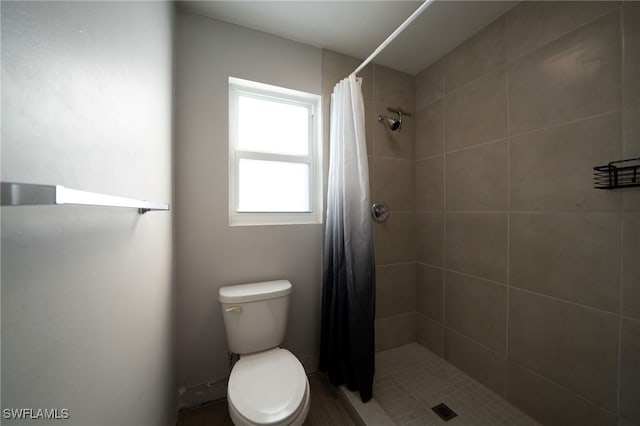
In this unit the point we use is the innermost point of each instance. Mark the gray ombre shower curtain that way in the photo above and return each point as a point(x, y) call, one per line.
point(348, 293)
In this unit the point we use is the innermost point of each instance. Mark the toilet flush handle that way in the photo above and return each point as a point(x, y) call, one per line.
point(233, 309)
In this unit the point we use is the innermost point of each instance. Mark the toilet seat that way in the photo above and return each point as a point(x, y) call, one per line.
point(297, 419)
point(268, 388)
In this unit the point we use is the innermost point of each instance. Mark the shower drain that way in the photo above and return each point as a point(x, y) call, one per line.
point(444, 412)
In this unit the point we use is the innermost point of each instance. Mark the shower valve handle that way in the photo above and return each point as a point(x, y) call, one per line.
point(380, 212)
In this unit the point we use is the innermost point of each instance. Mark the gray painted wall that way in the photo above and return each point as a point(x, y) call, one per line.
point(87, 294)
point(209, 253)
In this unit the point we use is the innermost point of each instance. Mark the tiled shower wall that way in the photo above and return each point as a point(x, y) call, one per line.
point(391, 178)
point(498, 254)
point(528, 278)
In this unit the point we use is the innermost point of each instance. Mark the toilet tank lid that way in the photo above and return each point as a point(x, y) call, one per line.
point(254, 291)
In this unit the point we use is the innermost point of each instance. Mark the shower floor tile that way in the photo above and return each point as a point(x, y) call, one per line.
point(410, 380)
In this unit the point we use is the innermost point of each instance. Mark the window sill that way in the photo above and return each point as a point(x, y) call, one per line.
point(271, 219)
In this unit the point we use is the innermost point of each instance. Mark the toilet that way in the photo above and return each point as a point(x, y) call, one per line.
point(267, 385)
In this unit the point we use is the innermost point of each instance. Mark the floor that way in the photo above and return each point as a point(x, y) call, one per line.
point(326, 409)
point(410, 380)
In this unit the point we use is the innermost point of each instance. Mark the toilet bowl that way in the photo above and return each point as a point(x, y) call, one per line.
point(268, 388)
point(268, 384)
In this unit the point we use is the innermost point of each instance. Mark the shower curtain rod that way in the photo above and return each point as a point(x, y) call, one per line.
point(395, 34)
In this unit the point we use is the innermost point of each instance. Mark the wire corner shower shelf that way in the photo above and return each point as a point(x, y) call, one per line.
point(23, 194)
point(618, 174)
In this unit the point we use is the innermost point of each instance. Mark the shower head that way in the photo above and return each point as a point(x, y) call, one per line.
point(393, 124)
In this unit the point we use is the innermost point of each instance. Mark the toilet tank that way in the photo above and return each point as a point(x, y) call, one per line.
point(255, 315)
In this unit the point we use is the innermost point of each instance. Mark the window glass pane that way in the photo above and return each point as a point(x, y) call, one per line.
point(271, 126)
point(273, 186)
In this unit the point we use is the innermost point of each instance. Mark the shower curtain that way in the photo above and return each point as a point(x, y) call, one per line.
point(348, 294)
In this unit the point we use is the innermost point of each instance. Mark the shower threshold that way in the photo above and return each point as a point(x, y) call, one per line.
point(411, 380)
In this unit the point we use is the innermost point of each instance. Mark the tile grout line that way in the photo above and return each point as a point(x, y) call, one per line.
point(428, 157)
point(628, 318)
point(557, 299)
point(477, 342)
point(464, 274)
point(535, 293)
point(529, 212)
point(476, 79)
point(477, 145)
point(396, 315)
point(415, 207)
point(547, 296)
point(566, 123)
point(430, 319)
point(394, 264)
point(526, 133)
point(444, 205)
point(507, 307)
point(408, 160)
point(621, 282)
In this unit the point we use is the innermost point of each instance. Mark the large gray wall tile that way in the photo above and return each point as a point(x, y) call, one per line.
point(430, 84)
point(429, 231)
point(551, 169)
point(429, 130)
point(624, 422)
point(631, 200)
point(372, 175)
point(476, 244)
point(394, 88)
point(430, 291)
point(573, 256)
point(632, 131)
point(632, 150)
point(532, 24)
point(395, 289)
point(369, 123)
point(430, 334)
point(429, 185)
point(477, 112)
point(575, 76)
point(550, 404)
point(476, 56)
point(477, 361)
point(630, 370)
point(631, 265)
point(394, 183)
point(477, 309)
point(574, 346)
point(394, 239)
point(477, 178)
point(631, 22)
point(395, 331)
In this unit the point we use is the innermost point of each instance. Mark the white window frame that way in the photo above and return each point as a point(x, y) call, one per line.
point(239, 87)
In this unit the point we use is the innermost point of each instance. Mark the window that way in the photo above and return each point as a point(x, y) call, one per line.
point(275, 169)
